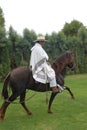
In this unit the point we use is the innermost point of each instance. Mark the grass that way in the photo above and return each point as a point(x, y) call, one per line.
point(68, 114)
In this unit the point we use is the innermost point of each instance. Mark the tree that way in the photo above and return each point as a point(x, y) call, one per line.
point(4, 57)
point(27, 43)
point(2, 31)
point(2, 20)
point(13, 41)
point(50, 46)
point(71, 29)
point(82, 37)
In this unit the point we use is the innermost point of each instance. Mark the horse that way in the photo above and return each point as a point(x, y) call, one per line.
point(20, 79)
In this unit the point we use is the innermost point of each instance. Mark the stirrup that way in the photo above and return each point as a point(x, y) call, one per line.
point(60, 88)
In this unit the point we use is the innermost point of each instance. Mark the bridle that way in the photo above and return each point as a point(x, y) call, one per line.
point(71, 64)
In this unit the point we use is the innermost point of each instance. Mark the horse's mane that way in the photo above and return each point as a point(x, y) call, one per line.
point(63, 56)
point(59, 63)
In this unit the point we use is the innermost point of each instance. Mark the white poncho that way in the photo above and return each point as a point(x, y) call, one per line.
point(42, 72)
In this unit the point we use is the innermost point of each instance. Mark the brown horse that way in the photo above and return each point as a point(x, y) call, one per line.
point(20, 79)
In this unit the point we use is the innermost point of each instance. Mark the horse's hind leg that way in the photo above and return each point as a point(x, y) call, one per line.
point(22, 101)
point(6, 104)
point(68, 89)
point(3, 110)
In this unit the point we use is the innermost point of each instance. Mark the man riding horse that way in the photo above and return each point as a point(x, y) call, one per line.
point(44, 77)
point(42, 72)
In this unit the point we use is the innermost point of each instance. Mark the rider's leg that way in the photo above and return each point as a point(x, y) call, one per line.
point(53, 85)
point(56, 87)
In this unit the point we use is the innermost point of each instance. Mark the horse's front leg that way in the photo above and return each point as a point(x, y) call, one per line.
point(68, 89)
point(22, 101)
point(53, 94)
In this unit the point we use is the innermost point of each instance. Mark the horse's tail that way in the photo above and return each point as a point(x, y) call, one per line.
point(5, 85)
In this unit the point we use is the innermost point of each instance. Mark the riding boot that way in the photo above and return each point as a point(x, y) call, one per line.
point(60, 88)
point(55, 89)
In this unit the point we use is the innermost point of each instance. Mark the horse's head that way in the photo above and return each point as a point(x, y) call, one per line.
point(70, 60)
point(64, 60)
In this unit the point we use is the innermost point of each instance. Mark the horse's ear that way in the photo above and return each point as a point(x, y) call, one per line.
point(68, 54)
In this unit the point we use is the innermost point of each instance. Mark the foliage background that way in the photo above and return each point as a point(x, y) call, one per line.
point(15, 49)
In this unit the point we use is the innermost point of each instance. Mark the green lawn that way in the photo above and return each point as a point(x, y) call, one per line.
point(67, 114)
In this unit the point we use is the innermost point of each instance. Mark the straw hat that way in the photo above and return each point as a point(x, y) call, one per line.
point(40, 38)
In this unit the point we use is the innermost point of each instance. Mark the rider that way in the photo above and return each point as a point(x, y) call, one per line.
point(42, 72)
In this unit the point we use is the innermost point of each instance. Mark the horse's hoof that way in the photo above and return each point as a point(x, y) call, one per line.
point(49, 111)
point(73, 97)
point(30, 113)
point(1, 118)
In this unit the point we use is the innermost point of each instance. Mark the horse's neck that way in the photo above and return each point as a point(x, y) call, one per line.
point(63, 72)
point(59, 68)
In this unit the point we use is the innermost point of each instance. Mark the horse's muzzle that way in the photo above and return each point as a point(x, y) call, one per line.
point(72, 67)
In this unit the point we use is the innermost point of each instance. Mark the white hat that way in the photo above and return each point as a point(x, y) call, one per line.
point(40, 38)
